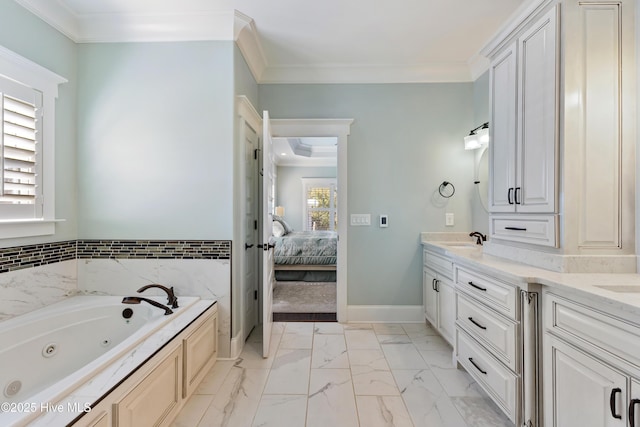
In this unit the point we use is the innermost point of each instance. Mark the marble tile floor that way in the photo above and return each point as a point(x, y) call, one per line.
point(331, 374)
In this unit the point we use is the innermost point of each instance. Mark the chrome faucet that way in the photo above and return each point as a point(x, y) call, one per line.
point(479, 237)
point(172, 299)
point(138, 300)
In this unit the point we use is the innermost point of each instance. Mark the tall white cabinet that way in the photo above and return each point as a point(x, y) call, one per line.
point(562, 125)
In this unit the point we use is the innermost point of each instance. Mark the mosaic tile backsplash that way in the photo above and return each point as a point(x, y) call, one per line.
point(19, 257)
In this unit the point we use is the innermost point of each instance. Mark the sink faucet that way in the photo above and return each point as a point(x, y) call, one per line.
point(172, 299)
point(138, 300)
point(479, 237)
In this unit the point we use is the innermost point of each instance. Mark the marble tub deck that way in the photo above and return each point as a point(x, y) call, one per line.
point(331, 374)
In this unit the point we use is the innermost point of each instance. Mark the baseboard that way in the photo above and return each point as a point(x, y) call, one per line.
point(236, 345)
point(385, 313)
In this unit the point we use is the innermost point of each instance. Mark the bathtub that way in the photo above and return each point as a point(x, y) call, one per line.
point(47, 354)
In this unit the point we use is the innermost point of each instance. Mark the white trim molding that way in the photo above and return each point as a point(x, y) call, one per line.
point(385, 314)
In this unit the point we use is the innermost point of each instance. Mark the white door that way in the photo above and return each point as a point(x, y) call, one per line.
point(585, 391)
point(502, 148)
point(430, 297)
point(251, 196)
point(535, 183)
point(268, 277)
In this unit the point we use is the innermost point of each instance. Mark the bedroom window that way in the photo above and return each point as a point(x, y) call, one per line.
point(320, 200)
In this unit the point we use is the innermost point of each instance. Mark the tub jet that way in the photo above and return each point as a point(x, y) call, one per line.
point(12, 388)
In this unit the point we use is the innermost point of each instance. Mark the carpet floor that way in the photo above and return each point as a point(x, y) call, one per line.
point(304, 297)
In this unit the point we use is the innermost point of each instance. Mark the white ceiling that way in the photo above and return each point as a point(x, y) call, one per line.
point(306, 151)
point(312, 41)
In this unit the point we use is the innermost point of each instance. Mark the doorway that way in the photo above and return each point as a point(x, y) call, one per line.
point(338, 129)
point(306, 249)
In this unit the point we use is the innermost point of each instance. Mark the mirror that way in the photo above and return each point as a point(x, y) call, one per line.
point(482, 175)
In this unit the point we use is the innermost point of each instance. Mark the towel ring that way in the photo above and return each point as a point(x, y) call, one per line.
point(445, 191)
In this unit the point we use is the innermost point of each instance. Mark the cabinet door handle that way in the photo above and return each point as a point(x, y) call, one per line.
point(476, 366)
point(612, 402)
point(510, 196)
point(516, 194)
point(632, 412)
point(433, 284)
point(437, 288)
point(478, 287)
point(476, 323)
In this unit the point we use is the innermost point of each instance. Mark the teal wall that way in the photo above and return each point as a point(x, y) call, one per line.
point(30, 37)
point(406, 139)
point(245, 84)
point(155, 132)
point(289, 189)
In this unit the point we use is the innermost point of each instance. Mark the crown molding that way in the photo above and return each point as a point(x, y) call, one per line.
point(246, 37)
point(478, 65)
point(429, 73)
point(514, 24)
point(234, 26)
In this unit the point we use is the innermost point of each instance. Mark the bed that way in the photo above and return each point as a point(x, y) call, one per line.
point(304, 255)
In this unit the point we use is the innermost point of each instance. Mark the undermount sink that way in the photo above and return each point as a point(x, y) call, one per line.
point(461, 244)
point(620, 288)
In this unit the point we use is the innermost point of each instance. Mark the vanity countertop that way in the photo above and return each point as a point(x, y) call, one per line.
point(619, 291)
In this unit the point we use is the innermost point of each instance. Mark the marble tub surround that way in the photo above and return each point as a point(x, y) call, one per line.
point(106, 379)
point(204, 278)
point(332, 374)
point(28, 289)
point(589, 285)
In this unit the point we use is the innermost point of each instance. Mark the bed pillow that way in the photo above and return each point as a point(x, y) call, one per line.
point(278, 229)
point(287, 227)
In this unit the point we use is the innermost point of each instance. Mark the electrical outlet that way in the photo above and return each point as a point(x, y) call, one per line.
point(449, 220)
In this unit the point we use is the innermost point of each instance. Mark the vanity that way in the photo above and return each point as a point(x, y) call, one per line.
point(549, 348)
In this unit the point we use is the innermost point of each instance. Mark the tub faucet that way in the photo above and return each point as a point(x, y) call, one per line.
point(172, 299)
point(138, 300)
point(479, 237)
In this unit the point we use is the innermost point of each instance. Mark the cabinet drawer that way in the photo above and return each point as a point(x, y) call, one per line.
point(438, 263)
point(498, 381)
point(494, 293)
point(533, 229)
point(594, 328)
point(494, 331)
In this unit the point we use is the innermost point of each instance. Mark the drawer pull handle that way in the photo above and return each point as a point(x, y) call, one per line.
point(632, 411)
point(476, 323)
point(476, 366)
point(478, 287)
point(515, 228)
point(612, 402)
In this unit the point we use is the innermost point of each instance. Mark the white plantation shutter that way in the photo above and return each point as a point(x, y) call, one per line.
point(20, 153)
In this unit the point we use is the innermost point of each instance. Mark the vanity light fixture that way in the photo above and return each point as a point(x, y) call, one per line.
point(477, 138)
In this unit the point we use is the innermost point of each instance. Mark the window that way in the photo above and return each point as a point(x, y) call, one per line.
point(320, 200)
point(27, 146)
point(20, 154)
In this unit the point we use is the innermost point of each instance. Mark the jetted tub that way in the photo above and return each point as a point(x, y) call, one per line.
point(46, 354)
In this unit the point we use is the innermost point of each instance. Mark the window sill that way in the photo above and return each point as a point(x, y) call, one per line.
point(11, 229)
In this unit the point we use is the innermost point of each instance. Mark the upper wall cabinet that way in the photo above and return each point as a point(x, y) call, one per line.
point(562, 152)
point(524, 102)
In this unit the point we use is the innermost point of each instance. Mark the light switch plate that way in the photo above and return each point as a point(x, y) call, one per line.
point(360, 219)
point(449, 220)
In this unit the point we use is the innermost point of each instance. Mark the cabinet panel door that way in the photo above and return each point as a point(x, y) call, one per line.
point(502, 147)
point(537, 128)
point(581, 390)
point(447, 309)
point(430, 297)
